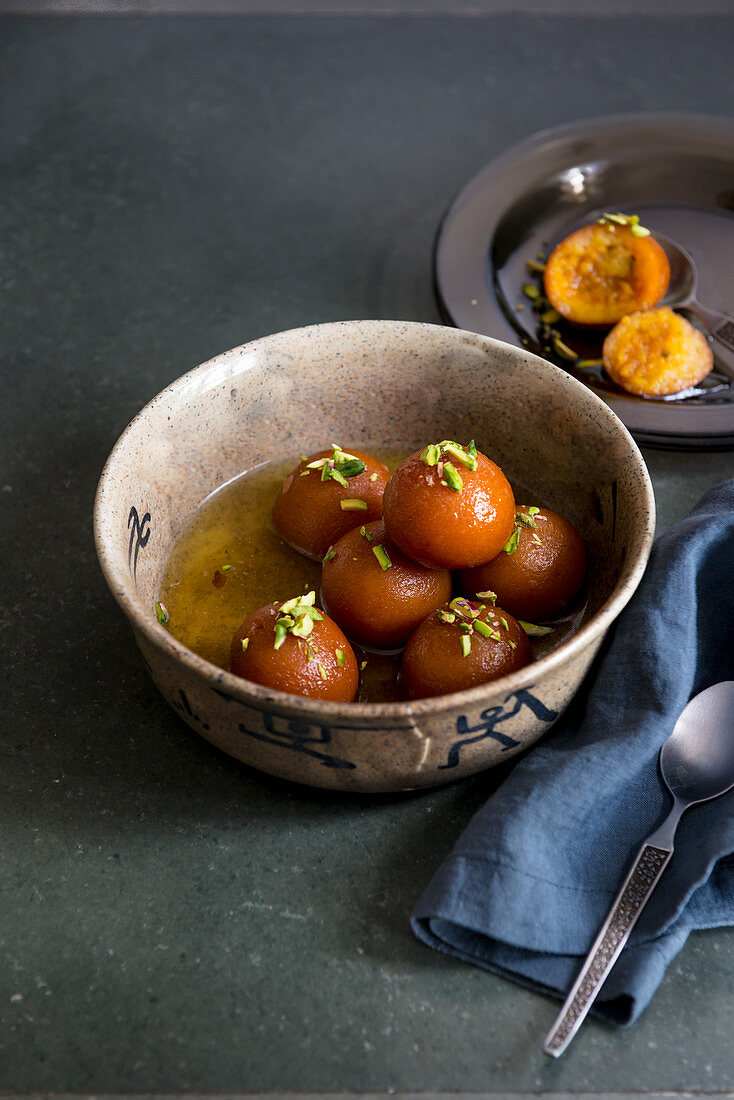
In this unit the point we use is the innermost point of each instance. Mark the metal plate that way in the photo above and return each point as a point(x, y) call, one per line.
point(676, 171)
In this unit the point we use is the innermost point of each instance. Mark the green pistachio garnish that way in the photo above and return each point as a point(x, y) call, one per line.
point(435, 453)
point(362, 666)
point(373, 477)
point(483, 629)
point(226, 568)
point(339, 467)
point(504, 622)
point(530, 291)
point(382, 556)
point(446, 616)
point(340, 658)
point(463, 607)
point(328, 556)
point(535, 631)
point(550, 317)
point(513, 542)
point(491, 597)
point(535, 265)
point(526, 519)
point(322, 672)
point(630, 220)
point(245, 643)
point(562, 349)
point(353, 504)
point(465, 645)
point(161, 613)
point(452, 478)
point(296, 617)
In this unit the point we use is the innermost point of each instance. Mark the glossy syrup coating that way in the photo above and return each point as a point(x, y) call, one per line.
point(450, 652)
point(538, 579)
point(655, 353)
point(376, 594)
point(442, 528)
point(601, 272)
point(319, 666)
point(308, 511)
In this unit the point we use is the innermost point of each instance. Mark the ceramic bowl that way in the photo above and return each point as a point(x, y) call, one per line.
point(373, 384)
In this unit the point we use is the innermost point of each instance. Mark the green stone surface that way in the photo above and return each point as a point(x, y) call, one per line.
point(169, 188)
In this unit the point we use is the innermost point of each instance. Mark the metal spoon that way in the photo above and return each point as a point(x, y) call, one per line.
point(697, 764)
point(682, 291)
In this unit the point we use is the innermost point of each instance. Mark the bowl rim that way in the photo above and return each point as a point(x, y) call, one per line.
point(356, 714)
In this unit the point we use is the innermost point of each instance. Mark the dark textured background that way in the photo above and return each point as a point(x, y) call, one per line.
point(170, 188)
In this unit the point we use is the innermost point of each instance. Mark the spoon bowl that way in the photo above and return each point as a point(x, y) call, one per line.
point(682, 294)
point(697, 760)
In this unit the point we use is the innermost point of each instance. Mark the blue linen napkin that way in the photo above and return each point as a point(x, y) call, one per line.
point(532, 877)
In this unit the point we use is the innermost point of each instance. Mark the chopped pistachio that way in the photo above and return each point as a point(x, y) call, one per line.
point(431, 454)
point(353, 504)
point(585, 363)
point(533, 510)
point(226, 568)
point(465, 645)
point(281, 631)
point(245, 643)
point(328, 556)
point(161, 613)
point(466, 627)
point(462, 456)
point(533, 630)
point(490, 596)
point(504, 622)
point(463, 607)
point(512, 644)
point(550, 317)
point(363, 531)
point(530, 291)
point(340, 658)
point(322, 672)
point(525, 519)
point(535, 265)
point(373, 477)
point(338, 477)
point(362, 666)
point(483, 629)
point(382, 556)
point(562, 349)
point(446, 616)
point(632, 221)
point(513, 542)
point(453, 480)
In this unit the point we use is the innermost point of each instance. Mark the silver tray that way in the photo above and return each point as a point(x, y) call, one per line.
point(675, 170)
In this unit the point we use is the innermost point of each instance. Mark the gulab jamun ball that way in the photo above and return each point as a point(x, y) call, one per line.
point(376, 594)
point(601, 272)
point(539, 572)
point(328, 494)
point(461, 645)
point(449, 507)
point(296, 648)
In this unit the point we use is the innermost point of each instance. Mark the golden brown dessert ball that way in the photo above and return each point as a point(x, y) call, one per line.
point(445, 514)
point(541, 570)
point(656, 353)
point(376, 594)
point(601, 272)
point(328, 494)
point(294, 647)
point(461, 645)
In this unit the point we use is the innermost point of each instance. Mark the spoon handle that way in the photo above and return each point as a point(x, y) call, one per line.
point(629, 903)
point(720, 325)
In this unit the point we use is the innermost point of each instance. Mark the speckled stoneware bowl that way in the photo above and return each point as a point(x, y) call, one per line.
point(372, 384)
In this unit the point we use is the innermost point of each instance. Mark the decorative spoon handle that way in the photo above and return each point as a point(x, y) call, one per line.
point(720, 325)
point(629, 903)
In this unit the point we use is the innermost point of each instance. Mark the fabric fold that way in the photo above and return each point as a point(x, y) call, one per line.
point(533, 875)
